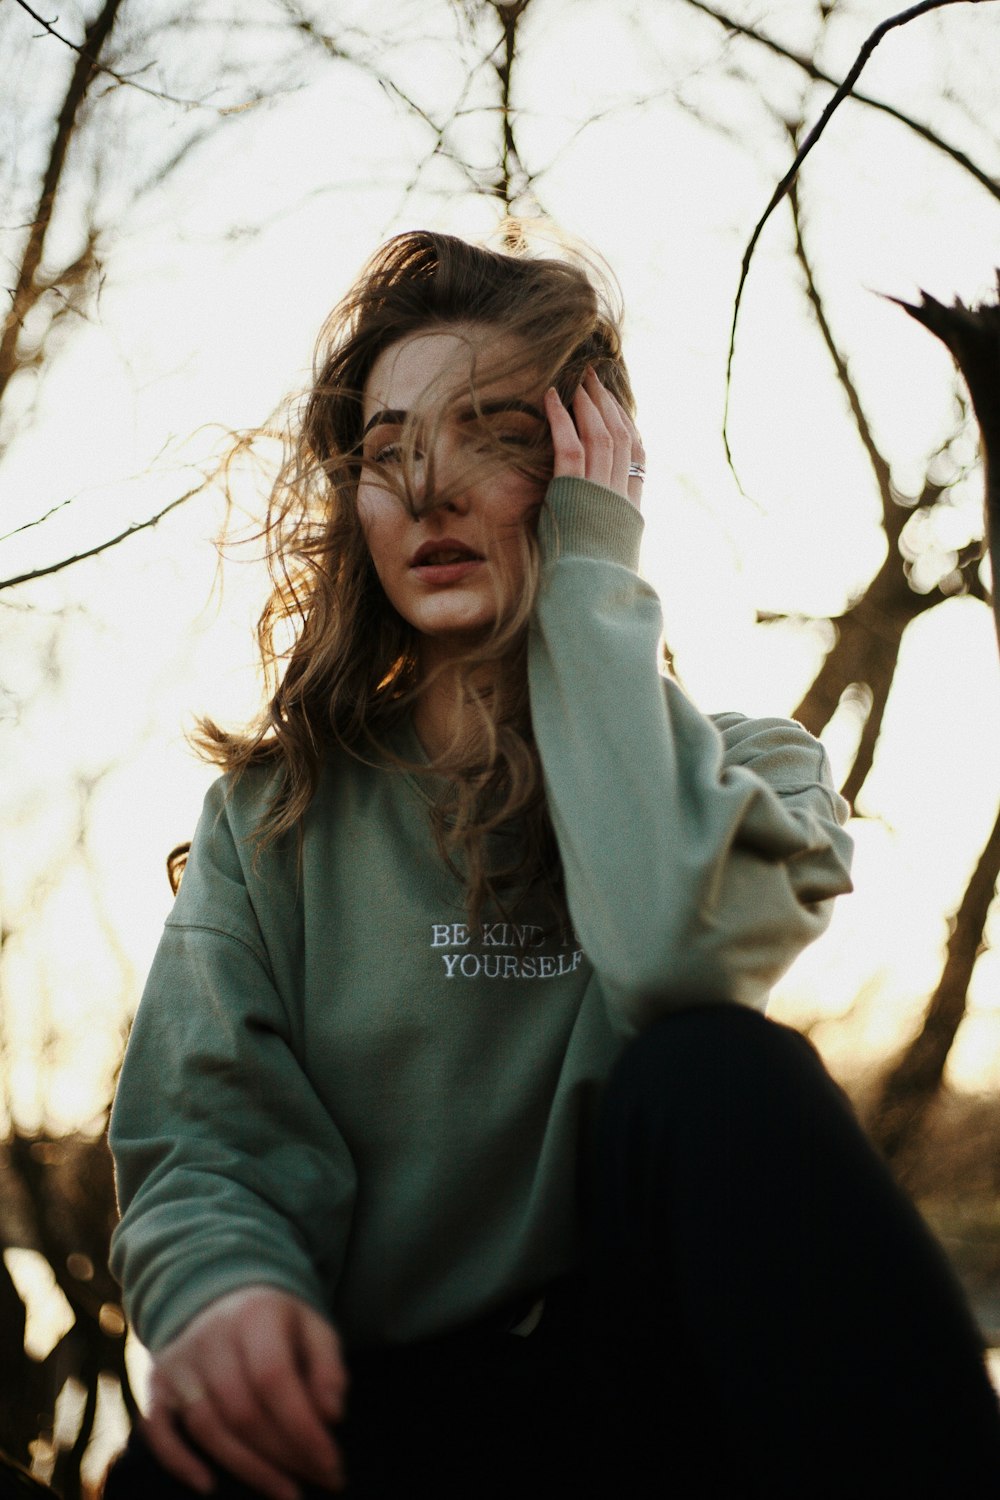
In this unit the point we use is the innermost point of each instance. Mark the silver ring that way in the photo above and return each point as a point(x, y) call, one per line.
point(636, 471)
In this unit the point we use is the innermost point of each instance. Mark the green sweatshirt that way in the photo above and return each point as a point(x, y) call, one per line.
point(335, 1087)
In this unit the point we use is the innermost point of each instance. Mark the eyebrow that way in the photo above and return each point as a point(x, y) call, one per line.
point(396, 416)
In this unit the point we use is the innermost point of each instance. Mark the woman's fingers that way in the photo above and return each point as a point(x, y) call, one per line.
point(278, 1368)
point(217, 1409)
point(253, 1381)
point(211, 1431)
point(611, 436)
point(569, 460)
point(632, 446)
point(597, 435)
point(173, 1453)
point(324, 1366)
point(599, 442)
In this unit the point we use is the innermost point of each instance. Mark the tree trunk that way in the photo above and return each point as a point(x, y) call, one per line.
point(27, 289)
point(868, 641)
point(911, 1086)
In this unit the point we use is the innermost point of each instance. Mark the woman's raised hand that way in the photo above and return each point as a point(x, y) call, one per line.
point(599, 441)
point(254, 1380)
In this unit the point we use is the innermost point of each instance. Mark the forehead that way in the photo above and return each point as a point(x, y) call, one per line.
point(441, 359)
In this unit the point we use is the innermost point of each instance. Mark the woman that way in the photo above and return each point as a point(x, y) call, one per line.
point(451, 1146)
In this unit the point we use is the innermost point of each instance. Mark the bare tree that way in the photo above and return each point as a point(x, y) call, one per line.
point(89, 183)
point(973, 336)
point(55, 1192)
point(870, 632)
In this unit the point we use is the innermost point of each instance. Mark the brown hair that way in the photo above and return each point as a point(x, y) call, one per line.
point(348, 673)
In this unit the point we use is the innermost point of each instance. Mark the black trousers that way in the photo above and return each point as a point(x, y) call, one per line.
point(761, 1313)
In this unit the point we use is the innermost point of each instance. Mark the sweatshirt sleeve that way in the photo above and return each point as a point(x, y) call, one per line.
point(229, 1169)
point(700, 855)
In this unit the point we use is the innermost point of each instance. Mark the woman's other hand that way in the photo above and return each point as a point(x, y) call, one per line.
point(254, 1380)
point(598, 442)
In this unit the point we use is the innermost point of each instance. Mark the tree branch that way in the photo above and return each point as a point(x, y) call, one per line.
point(911, 1085)
point(88, 55)
point(28, 289)
point(123, 536)
point(511, 167)
point(841, 93)
point(878, 462)
point(54, 510)
point(809, 67)
point(880, 679)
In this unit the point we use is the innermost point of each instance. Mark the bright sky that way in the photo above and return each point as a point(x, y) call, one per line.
point(215, 286)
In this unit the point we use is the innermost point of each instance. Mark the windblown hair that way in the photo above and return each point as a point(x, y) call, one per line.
point(341, 666)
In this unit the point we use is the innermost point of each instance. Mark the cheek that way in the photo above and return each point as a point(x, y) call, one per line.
point(518, 508)
point(378, 514)
point(366, 503)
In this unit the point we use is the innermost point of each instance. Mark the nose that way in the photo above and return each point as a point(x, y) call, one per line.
point(440, 472)
point(458, 504)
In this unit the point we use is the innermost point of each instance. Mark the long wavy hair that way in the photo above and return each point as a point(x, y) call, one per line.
point(341, 666)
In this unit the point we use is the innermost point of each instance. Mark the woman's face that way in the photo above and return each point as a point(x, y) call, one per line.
point(447, 569)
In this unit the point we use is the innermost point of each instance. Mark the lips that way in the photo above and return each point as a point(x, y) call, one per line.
point(444, 553)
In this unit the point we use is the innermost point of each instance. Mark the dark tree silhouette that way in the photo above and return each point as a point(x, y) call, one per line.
point(869, 634)
point(973, 336)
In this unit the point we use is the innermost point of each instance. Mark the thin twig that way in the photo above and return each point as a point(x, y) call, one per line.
point(872, 41)
point(123, 536)
point(809, 67)
point(123, 78)
point(28, 289)
point(877, 460)
point(47, 515)
point(893, 516)
point(879, 682)
point(54, 510)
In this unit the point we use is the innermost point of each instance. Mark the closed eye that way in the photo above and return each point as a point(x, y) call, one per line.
point(491, 439)
point(390, 454)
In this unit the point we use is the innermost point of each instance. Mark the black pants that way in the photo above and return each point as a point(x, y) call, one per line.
point(761, 1313)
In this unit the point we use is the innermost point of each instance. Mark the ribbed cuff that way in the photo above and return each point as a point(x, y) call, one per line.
point(583, 519)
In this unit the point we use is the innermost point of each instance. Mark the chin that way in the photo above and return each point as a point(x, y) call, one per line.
point(461, 623)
